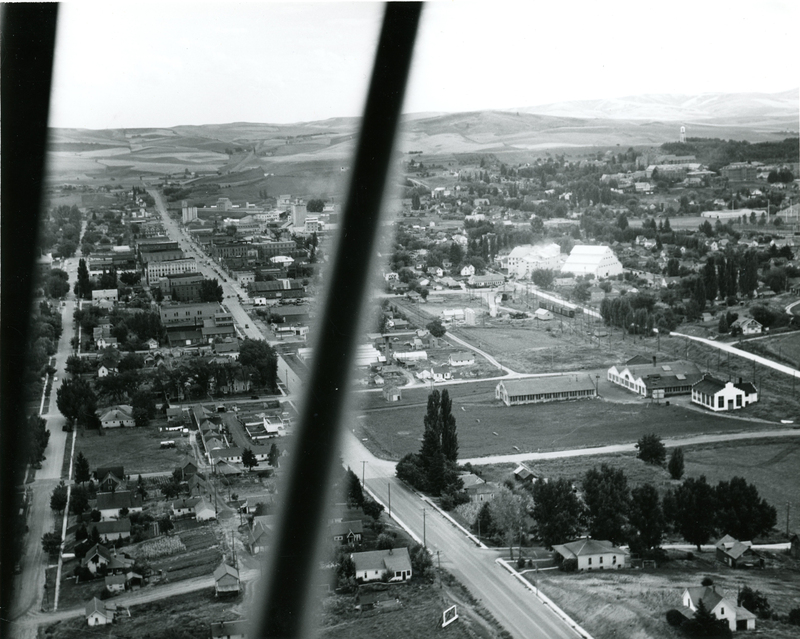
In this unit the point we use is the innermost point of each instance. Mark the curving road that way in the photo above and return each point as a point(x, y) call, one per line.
point(736, 351)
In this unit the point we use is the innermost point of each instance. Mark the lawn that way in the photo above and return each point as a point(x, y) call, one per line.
point(181, 617)
point(487, 427)
point(137, 449)
point(633, 604)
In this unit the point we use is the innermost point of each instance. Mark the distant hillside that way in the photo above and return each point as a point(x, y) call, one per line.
point(678, 107)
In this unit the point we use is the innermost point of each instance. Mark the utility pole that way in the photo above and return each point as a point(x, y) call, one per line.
point(424, 537)
point(390, 499)
point(439, 559)
point(363, 465)
point(787, 519)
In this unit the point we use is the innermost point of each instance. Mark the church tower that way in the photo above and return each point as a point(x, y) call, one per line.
point(683, 135)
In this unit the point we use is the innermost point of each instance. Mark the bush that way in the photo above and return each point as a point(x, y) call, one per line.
point(675, 618)
point(707, 581)
point(447, 502)
point(521, 563)
point(569, 565)
point(794, 616)
point(755, 602)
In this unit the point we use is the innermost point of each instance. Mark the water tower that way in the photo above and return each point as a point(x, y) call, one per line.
point(683, 135)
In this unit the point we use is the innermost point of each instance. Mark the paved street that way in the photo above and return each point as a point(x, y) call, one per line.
point(515, 607)
point(30, 582)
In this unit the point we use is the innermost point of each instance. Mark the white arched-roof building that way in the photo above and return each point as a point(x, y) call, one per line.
point(599, 261)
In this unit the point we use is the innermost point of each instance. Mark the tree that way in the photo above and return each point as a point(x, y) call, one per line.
point(259, 355)
point(416, 206)
point(249, 460)
point(315, 206)
point(741, 511)
point(77, 402)
point(556, 510)
point(723, 327)
point(754, 601)
point(172, 488)
point(421, 563)
point(646, 516)
point(710, 279)
point(449, 434)
point(694, 509)
point(580, 292)
point(140, 488)
point(436, 328)
point(82, 471)
point(675, 465)
point(509, 512)
point(484, 523)
point(651, 450)
point(58, 500)
point(140, 418)
point(211, 291)
point(355, 494)
point(79, 501)
point(607, 499)
point(165, 524)
point(372, 508)
point(273, 456)
point(705, 624)
point(51, 543)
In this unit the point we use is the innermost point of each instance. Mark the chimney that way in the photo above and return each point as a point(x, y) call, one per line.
point(654, 361)
point(741, 380)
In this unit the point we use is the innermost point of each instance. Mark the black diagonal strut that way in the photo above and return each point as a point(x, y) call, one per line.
point(315, 454)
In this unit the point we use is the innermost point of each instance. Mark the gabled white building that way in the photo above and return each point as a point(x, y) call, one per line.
point(525, 259)
point(599, 261)
point(718, 396)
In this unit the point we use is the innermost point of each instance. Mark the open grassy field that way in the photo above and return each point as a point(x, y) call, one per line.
point(137, 449)
point(633, 604)
point(781, 348)
point(773, 466)
point(419, 615)
point(488, 427)
point(183, 617)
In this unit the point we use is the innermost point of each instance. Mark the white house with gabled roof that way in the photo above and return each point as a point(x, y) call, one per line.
point(599, 261)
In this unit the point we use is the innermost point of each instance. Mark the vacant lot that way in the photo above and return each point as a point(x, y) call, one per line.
point(419, 615)
point(633, 604)
point(137, 449)
point(781, 348)
point(182, 617)
point(488, 427)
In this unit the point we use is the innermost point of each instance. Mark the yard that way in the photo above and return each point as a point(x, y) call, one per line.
point(419, 615)
point(487, 427)
point(633, 604)
point(137, 449)
point(182, 617)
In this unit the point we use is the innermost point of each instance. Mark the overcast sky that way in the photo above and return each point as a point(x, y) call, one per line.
point(170, 63)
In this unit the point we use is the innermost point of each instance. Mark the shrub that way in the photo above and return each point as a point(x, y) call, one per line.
point(707, 581)
point(794, 616)
point(675, 618)
point(521, 563)
point(755, 602)
point(569, 565)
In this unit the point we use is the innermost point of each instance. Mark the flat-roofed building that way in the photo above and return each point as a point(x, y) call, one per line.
point(535, 390)
point(155, 270)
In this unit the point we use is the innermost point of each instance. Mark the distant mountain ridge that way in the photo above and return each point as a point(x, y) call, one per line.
point(677, 107)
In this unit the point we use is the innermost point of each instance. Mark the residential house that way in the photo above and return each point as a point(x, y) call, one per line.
point(118, 417)
point(720, 606)
point(543, 314)
point(115, 583)
point(152, 344)
point(188, 470)
point(226, 580)
point(112, 530)
point(372, 565)
point(461, 358)
point(738, 554)
point(524, 474)
point(536, 390)
point(593, 554)
point(230, 629)
point(392, 393)
point(204, 511)
point(99, 558)
point(110, 478)
point(347, 532)
point(105, 342)
point(197, 485)
point(105, 371)
point(110, 505)
point(467, 271)
point(184, 507)
point(717, 395)
point(477, 489)
point(747, 325)
point(98, 613)
point(260, 535)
